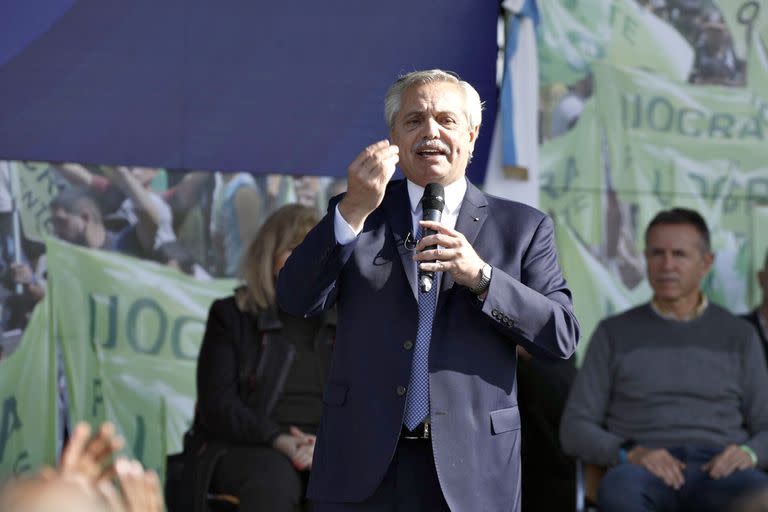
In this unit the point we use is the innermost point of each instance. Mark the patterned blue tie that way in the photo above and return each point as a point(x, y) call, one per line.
point(417, 402)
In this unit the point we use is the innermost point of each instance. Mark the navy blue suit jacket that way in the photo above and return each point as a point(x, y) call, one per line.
point(472, 357)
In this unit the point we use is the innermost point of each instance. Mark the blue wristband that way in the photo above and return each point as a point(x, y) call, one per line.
point(623, 456)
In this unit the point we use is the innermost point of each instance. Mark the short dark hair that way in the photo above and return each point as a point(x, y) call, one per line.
point(682, 216)
point(76, 200)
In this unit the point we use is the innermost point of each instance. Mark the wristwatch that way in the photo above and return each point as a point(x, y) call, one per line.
point(484, 280)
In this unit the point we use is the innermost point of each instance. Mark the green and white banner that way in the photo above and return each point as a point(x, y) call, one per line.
point(37, 186)
point(130, 332)
point(576, 33)
point(677, 115)
point(701, 147)
point(571, 174)
point(28, 399)
point(600, 292)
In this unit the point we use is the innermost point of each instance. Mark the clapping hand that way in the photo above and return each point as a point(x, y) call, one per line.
point(89, 457)
point(141, 490)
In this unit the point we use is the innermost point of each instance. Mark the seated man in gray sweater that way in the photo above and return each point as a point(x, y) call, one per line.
point(672, 395)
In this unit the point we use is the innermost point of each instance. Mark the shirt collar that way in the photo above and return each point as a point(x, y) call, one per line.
point(454, 194)
point(700, 307)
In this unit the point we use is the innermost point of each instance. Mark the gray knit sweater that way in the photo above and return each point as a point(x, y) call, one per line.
point(666, 383)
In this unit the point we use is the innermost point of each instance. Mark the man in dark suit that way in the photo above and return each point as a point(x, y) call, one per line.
point(420, 409)
point(759, 316)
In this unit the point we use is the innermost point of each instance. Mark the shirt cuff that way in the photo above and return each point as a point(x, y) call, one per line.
point(341, 228)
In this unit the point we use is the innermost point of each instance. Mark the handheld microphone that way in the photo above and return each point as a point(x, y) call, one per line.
point(432, 204)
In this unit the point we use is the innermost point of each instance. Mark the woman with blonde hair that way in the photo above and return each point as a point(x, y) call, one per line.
point(260, 377)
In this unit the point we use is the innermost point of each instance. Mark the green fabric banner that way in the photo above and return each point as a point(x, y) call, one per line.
point(130, 333)
point(571, 172)
point(653, 123)
point(701, 147)
point(575, 33)
point(655, 133)
point(28, 395)
point(597, 292)
point(37, 186)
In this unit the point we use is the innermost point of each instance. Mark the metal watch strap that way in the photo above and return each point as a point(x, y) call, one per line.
point(485, 280)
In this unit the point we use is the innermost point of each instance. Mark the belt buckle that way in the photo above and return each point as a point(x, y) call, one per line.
point(421, 433)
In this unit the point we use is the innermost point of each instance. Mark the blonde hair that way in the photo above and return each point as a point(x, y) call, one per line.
point(282, 231)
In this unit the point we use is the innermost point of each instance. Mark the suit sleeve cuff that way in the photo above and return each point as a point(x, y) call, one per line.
point(343, 231)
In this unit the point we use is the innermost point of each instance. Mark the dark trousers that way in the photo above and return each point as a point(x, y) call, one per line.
point(261, 477)
point(631, 488)
point(409, 485)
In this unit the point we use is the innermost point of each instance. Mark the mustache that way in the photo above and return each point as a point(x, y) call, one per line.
point(431, 144)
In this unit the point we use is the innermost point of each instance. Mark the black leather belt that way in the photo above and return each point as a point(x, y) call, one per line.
point(422, 431)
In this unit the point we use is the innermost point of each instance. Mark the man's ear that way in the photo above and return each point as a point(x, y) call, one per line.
point(709, 259)
point(473, 133)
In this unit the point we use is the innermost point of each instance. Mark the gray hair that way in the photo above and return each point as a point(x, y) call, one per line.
point(473, 105)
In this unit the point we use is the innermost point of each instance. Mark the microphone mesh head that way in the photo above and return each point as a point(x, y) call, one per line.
point(434, 197)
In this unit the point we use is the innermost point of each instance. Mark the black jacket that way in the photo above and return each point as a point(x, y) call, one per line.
point(243, 362)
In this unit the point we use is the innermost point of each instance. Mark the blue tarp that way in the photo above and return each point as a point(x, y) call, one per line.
point(293, 87)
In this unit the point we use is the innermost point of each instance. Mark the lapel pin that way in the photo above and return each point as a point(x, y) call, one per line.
point(475, 219)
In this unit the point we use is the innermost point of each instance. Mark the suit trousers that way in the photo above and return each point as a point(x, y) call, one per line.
point(409, 485)
point(631, 488)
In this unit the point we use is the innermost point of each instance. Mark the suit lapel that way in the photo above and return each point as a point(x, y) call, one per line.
point(397, 206)
point(471, 218)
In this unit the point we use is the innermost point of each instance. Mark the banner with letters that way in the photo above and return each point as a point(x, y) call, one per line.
point(665, 107)
point(37, 186)
point(127, 330)
point(129, 333)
